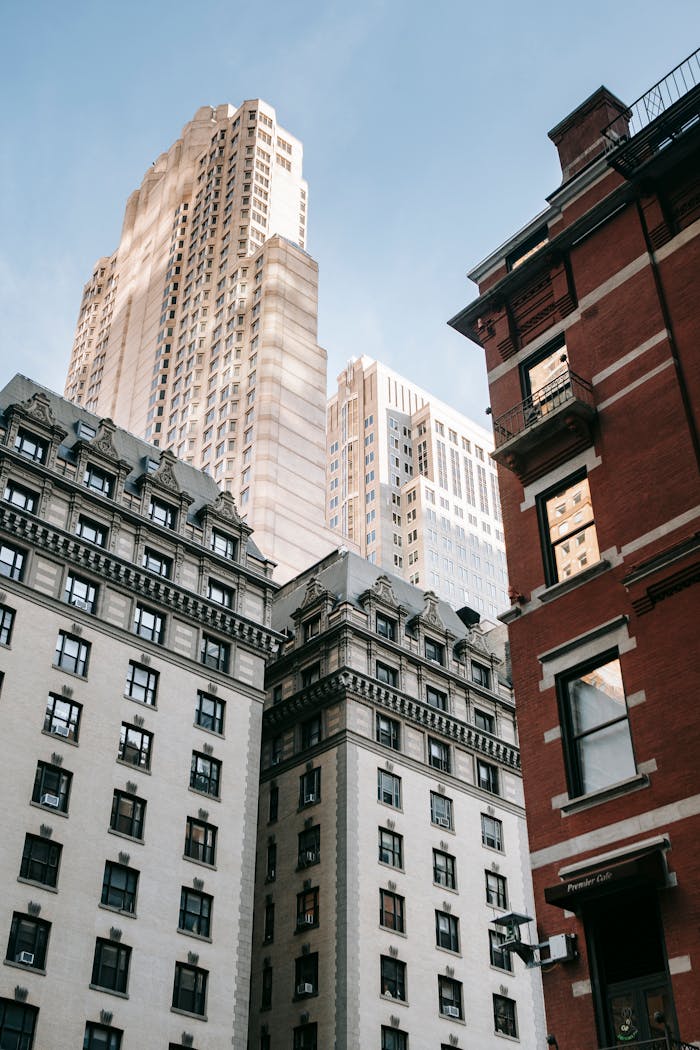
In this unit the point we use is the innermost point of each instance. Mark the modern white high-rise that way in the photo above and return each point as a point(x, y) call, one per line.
point(410, 481)
point(199, 333)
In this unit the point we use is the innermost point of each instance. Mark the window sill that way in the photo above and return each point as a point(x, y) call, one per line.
point(448, 889)
point(49, 809)
point(305, 927)
point(122, 835)
point(196, 936)
point(449, 951)
point(395, 933)
point(188, 1013)
point(109, 991)
point(493, 849)
point(204, 794)
point(510, 1038)
point(132, 765)
point(141, 703)
point(596, 798)
point(442, 827)
point(62, 739)
point(117, 911)
point(389, 998)
point(24, 967)
point(455, 1020)
point(39, 885)
point(211, 732)
point(73, 674)
point(306, 995)
point(200, 863)
point(564, 586)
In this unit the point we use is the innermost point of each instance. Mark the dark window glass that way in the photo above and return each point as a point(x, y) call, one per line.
point(393, 977)
point(71, 654)
point(200, 841)
point(22, 498)
point(307, 908)
point(141, 683)
point(52, 786)
point(391, 911)
point(388, 732)
point(388, 788)
point(195, 912)
point(128, 814)
point(62, 717)
point(386, 627)
point(436, 698)
point(215, 653)
point(29, 938)
point(305, 1037)
point(497, 956)
point(271, 864)
point(80, 592)
point(444, 869)
point(91, 531)
point(450, 997)
point(310, 675)
point(485, 721)
point(156, 562)
point(17, 1023)
point(311, 731)
point(491, 832)
point(219, 593)
point(190, 989)
point(309, 787)
point(110, 966)
point(98, 480)
point(11, 561)
point(390, 848)
point(434, 651)
point(119, 886)
point(487, 777)
point(30, 446)
point(205, 774)
point(496, 890)
point(148, 623)
point(481, 675)
point(504, 1020)
point(135, 746)
point(40, 860)
point(387, 675)
point(266, 988)
point(101, 1037)
point(312, 628)
point(224, 545)
point(394, 1039)
point(7, 620)
point(274, 801)
point(162, 514)
point(446, 931)
point(269, 923)
point(209, 712)
point(306, 974)
point(309, 846)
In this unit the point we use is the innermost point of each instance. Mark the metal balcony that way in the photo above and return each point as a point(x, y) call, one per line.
point(565, 404)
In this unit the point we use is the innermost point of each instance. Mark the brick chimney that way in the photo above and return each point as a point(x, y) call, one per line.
point(578, 137)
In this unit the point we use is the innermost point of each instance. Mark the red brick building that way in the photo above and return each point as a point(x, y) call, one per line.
point(590, 321)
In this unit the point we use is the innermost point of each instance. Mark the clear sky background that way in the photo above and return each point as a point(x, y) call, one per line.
point(425, 145)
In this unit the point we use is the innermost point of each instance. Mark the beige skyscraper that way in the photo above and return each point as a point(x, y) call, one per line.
point(199, 332)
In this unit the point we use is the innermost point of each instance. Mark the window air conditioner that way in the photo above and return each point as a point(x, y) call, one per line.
point(80, 603)
point(305, 989)
point(309, 919)
point(275, 760)
point(25, 957)
point(61, 730)
point(450, 1011)
point(444, 822)
point(310, 856)
point(51, 800)
point(311, 797)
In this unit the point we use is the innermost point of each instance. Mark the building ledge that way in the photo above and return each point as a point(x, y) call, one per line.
point(564, 586)
point(596, 798)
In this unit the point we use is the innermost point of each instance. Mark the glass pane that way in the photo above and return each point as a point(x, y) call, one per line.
point(597, 697)
point(570, 509)
point(625, 1022)
point(546, 371)
point(606, 757)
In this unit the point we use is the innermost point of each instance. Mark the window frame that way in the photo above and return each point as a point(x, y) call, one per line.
point(388, 796)
point(308, 843)
point(154, 633)
point(28, 934)
point(84, 524)
point(450, 996)
point(212, 722)
point(150, 688)
point(81, 659)
point(224, 545)
point(492, 839)
point(137, 818)
point(156, 562)
point(440, 802)
point(548, 547)
point(137, 742)
point(212, 777)
point(386, 627)
point(221, 661)
point(14, 568)
point(392, 978)
point(484, 721)
point(99, 481)
point(435, 652)
point(198, 992)
point(509, 1018)
point(439, 756)
point(306, 972)
point(397, 911)
point(394, 1038)
point(480, 674)
point(436, 698)
point(127, 893)
point(7, 623)
point(201, 918)
point(206, 847)
point(310, 787)
point(307, 908)
point(24, 438)
point(87, 600)
point(28, 499)
point(24, 1026)
point(71, 723)
point(488, 775)
point(446, 931)
point(48, 865)
point(496, 953)
point(496, 886)
point(220, 593)
point(393, 850)
point(62, 778)
point(449, 869)
point(162, 513)
point(114, 1036)
point(387, 675)
point(122, 954)
point(388, 731)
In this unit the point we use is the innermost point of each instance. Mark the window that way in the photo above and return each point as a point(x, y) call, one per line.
point(101, 1037)
point(393, 978)
point(30, 446)
point(209, 712)
point(487, 776)
point(29, 938)
point(119, 886)
point(306, 974)
point(11, 561)
point(62, 717)
point(17, 1022)
point(438, 755)
point(496, 890)
point(309, 787)
point(436, 698)
point(98, 480)
point(394, 1039)
point(568, 530)
point(269, 923)
point(310, 674)
point(391, 911)
point(40, 860)
point(434, 651)
point(135, 746)
point(7, 619)
point(450, 997)
point(71, 654)
point(92, 531)
point(266, 989)
point(52, 786)
point(390, 848)
point(388, 788)
point(485, 721)
point(309, 846)
point(156, 562)
point(311, 731)
point(200, 841)
point(219, 593)
point(141, 683)
point(504, 1020)
point(190, 989)
point(597, 741)
point(440, 810)
point(312, 628)
point(305, 1037)
point(215, 654)
point(128, 814)
point(491, 832)
point(386, 627)
point(444, 869)
point(80, 592)
point(162, 514)
point(205, 774)
point(481, 675)
point(223, 545)
point(388, 732)
point(500, 959)
point(148, 623)
point(195, 912)
point(307, 908)
point(387, 675)
point(110, 966)
point(446, 931)
point(20, 497)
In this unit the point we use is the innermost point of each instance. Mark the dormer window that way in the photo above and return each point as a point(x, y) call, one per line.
point(434, 651)
point(224, 545)
point(98, 480)
point(481, 675)
point(85, 430)
point(30, 446)
point(312, 628)
point(162, 513)
point(386, 627)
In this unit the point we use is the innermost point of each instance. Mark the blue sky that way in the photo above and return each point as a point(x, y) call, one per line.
point(424, 128)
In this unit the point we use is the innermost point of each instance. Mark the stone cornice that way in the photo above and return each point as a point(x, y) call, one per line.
point(360, 686)
point(112, 569)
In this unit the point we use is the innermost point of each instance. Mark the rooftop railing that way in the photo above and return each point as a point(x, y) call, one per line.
point(657, 100)
point(534, 409)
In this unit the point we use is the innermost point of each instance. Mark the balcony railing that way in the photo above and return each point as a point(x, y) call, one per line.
point(655, 101)
point(566, 389)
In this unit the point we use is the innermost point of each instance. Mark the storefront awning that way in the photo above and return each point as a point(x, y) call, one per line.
point(640, 866)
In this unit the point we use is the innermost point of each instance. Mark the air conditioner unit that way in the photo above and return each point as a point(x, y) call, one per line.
point(275, 760)
point(308, 920)
point(311, 797)
point(25, 957)
point(310, 856)
point(80, 603)
point(444, 822)
point(304, 989)
point(450, 1011)
point(51, 800)
point(61, 730)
